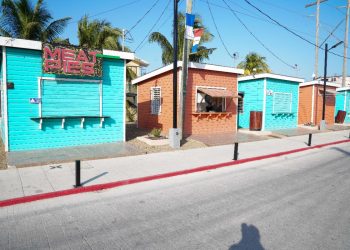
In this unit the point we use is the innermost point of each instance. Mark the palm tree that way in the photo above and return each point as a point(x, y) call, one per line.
point(167, 49)
point(101, 35)
point(20, 19)
point(254, 63)
point(98, 34)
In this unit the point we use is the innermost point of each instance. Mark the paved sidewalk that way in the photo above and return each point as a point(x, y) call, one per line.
point(19, 182)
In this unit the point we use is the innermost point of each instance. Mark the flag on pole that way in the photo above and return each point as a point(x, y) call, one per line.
point(197, 37)
point(189, 26)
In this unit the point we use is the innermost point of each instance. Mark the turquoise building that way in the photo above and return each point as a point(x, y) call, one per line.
point(81, 102)
point(276, 96)
point(342, 102)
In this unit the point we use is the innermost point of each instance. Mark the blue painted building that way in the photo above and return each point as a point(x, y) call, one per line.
point(342, 102)
point(276, 96)
point(42, 111)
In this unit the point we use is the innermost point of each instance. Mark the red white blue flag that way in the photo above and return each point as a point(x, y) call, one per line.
point(197, 37)
point(189, 26)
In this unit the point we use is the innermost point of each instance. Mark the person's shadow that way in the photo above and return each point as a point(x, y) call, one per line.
point(250, 239)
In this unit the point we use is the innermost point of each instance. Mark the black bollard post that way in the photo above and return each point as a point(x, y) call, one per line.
point(77, 174)
point(235, 154)
point(310, 138)
point(349, 135)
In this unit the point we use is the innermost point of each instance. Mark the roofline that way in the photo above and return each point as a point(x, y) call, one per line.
point(269, 75)
point(37, 45)
point(319, 82)
point(141, 61)
point(191, 65)
point(343, 88)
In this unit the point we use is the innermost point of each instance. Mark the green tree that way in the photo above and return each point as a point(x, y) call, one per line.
point(19, 19)
point(254, 63)
point(101, 35)
point(167, 48)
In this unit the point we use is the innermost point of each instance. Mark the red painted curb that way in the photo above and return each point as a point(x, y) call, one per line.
point(92, 188)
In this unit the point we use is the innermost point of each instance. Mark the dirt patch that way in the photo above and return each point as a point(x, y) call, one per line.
point(3, 159)
point(132, 132)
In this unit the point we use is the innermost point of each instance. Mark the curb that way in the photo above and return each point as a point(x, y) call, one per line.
point(98, 187)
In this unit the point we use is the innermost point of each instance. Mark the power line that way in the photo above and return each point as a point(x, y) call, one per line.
point(109, 10)
point(256, 38)
point(249, 15)
point(157, 21)
point(217, 30)
point(146, 13)
point(289, 30)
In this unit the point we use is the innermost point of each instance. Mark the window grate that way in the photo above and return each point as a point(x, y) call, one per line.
point(155, 100)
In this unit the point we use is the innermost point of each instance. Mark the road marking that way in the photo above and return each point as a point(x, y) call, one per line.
point(98, 187)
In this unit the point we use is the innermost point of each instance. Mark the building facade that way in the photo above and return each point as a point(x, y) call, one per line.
point(311, 102)
point(342, 102)
point(276, 96)
point(211, 99)
point(41, 110)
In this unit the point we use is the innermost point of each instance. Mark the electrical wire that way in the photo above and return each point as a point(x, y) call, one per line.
point(146, 13)
point(217, 30)
point(157, 21)
point(289, 30)
point(109, 10)
point(256, 38)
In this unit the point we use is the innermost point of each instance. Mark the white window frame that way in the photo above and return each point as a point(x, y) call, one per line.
point(290, 105)
point(160, 101)
point(209, 87)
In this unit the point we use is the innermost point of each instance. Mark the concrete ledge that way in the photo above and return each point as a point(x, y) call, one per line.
point(153, 142)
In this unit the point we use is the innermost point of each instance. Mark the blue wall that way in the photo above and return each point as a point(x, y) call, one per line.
point(2, 101)
point(24, 67)
point(339, 103)
point(273, 120)
point(253, 101)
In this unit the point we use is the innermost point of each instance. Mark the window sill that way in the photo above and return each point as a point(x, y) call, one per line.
point(217, 115)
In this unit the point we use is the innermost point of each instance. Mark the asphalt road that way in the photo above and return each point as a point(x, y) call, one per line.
point(301, 201)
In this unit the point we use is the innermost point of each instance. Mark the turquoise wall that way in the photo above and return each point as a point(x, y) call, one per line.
point(273, 120)
point(2, 130)
point(253, 99)
point(341, 97)
point(24, 68)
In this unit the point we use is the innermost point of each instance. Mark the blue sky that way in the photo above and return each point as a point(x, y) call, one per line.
point(291, 13)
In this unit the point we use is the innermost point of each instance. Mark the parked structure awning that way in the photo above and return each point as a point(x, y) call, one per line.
point(328, 92)
point(217, 92)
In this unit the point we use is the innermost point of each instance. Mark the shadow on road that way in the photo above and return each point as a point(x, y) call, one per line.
point(93, 178)
point(342, 151)
point(250, 239)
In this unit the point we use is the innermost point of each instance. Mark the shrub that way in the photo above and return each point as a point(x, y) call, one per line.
point(156, 132)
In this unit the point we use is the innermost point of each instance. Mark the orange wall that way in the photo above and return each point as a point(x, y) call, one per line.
point(305, 104)
point(193, 124)
point(330, 105)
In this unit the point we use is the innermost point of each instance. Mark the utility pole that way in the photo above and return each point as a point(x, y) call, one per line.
point(317, 30)
point(184, 75)
point(174, 139)
point(345, 45)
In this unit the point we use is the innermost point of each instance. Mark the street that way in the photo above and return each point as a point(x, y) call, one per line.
point(299, 201)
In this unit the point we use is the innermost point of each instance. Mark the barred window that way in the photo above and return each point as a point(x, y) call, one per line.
point(156, 100)
point(240, 102)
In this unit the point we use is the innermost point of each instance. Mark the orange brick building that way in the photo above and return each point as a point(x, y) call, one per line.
point(311, 102)
point(211, 99)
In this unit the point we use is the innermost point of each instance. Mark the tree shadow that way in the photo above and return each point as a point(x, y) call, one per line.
point(250, 239)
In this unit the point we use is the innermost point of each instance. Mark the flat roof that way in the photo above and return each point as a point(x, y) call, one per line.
point(272, 76)
point(319, 82)
point(343, 88)
point(191, 65)
point(37, 45)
